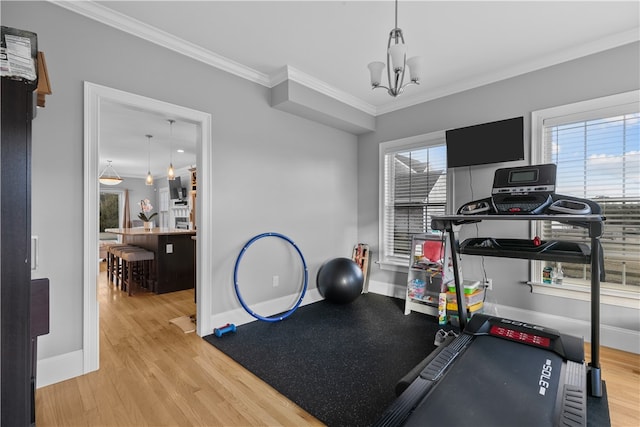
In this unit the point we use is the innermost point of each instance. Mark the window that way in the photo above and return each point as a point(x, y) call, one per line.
point(413, 186)
point(596, 146)
point(109, 210)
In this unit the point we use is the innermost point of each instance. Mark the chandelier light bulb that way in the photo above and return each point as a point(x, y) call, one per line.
point(415, 68)
point(375, 68)
point(398, 53)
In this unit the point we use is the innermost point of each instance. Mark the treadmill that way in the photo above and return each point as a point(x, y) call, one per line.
point(505, 372)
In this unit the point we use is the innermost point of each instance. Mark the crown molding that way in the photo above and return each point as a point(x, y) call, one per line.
point(147, 32)
point(122, 22)
point(290, 73)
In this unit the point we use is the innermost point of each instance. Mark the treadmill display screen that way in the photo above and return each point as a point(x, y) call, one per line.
point(520, 176)
point(520, 336)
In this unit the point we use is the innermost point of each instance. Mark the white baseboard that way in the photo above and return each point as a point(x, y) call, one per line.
point(65, 366)
point(387, 289)
point(59, 368)
point(70, 365)
point(240, 316)
point(610, 336)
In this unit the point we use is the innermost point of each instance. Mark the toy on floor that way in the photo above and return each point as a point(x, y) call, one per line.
point(229, 327)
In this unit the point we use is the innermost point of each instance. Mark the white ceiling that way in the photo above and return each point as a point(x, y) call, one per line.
point(123, 141)
point(464, 44)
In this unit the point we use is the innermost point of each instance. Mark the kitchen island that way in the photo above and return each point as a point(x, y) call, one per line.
point(175, 253)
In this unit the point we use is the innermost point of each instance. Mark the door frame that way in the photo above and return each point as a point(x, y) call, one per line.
point(94, 96)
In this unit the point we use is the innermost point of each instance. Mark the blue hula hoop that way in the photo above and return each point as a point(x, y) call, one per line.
point(235, 279)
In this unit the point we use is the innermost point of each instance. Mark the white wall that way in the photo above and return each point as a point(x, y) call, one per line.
point(598, 75)
point(272, 171)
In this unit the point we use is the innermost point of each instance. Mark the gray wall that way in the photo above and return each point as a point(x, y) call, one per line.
point(610, 72)
point(272, 171)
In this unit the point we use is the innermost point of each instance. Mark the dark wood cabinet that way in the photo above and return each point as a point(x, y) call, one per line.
point(174, 269)
point(15, 248)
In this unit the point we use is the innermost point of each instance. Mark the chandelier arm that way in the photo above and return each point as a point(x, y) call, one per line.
point(411, 83)
point(379, 87)
point(389, 67)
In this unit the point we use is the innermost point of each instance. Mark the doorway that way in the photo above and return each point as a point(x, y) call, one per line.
point(95, 96)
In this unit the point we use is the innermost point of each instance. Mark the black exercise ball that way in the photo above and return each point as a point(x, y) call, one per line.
point(340, 280)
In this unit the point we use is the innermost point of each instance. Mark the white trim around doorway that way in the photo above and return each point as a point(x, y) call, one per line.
point(94, 96)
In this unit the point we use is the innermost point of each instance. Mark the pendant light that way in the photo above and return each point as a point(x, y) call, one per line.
point(109, 176)
point(149, 180)
point(171, 174)
point(397, 64)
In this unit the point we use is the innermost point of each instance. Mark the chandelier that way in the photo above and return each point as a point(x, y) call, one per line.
point(109, 176)
point(397, 64)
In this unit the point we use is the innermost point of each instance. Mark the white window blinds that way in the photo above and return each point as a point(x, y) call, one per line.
point(598, 157)
point(415, 188)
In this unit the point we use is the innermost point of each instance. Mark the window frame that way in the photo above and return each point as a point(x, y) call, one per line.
point(404, 144)
point(118, 192)
point(584, 110)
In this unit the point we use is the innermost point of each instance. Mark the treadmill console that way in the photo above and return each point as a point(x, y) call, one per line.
point(523, 190)
point(525, 180)
point(528, 190)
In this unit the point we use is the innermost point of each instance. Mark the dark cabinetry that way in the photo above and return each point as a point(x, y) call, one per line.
point(173, 266)
point(15, 248)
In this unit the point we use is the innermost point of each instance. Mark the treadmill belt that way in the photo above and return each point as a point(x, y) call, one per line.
point(495, 382)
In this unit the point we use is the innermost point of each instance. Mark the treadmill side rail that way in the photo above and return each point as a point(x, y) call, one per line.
point(398, 412)
point(573, 411)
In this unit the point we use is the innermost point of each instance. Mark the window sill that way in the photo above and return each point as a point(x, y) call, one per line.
point(614, 297)
point(393, 266)
point(609, 296)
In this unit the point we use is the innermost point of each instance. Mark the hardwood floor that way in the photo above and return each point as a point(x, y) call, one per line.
point(153, 374)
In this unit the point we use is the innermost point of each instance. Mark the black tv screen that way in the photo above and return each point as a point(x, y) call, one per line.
point(175, 188)
point(494, 142)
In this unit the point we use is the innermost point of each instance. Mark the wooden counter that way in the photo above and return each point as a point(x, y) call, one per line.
point(175, 254)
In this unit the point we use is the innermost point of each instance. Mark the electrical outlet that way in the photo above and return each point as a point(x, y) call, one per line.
point(276, 281)
point(169, 248)
point(488, 284)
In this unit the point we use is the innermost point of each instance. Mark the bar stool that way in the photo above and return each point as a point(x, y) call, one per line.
point(113, 262)
point(136, 264)
point(120, 267)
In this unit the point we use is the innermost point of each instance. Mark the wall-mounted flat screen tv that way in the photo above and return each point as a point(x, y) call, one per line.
point(494, 142)
point(175, 188)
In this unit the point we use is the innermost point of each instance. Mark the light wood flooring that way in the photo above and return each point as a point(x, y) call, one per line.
point(153, 374)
